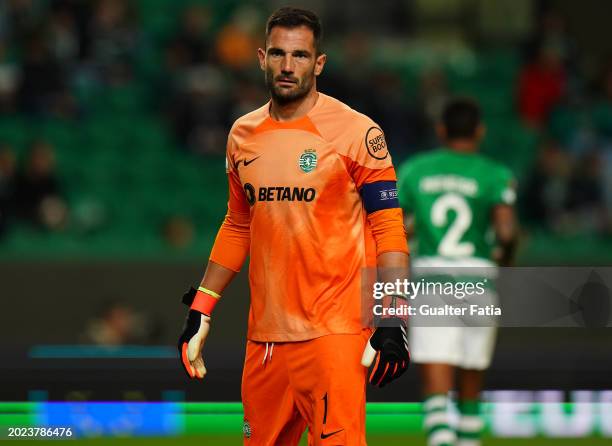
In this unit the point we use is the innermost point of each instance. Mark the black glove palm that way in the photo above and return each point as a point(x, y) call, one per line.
point(392, 355)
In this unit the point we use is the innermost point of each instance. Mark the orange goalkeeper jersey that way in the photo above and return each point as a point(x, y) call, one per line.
point(297, 185)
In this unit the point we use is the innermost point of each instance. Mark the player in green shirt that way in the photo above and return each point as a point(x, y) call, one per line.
point(459, 205)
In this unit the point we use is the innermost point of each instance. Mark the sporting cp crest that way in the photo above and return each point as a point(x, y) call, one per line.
point(246, 429)
point(308, 160)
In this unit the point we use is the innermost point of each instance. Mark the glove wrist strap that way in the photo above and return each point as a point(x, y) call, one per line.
point(202, 300)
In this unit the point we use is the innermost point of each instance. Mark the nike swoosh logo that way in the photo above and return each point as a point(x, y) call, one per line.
point(247, 162)
point(324, 436)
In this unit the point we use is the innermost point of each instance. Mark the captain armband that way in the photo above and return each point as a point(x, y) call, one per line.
point(379, 195)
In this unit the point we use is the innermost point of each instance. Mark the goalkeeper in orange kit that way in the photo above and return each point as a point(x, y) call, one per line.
point(313, 201)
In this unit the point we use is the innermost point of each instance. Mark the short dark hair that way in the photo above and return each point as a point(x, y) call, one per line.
point(461, 117)
point(288, 17)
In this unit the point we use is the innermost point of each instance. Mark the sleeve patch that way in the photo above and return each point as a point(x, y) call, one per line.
point(376, 144)
point(379, 195)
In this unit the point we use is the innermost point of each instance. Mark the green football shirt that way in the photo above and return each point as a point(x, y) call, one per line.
point(451, 196)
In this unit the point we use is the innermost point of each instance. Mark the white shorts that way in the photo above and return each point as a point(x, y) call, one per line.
point(469, 348)
point(463, 341)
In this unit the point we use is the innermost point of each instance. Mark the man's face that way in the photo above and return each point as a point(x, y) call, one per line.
point(290, 63)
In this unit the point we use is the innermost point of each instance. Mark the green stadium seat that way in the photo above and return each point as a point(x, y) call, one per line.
point(130, 99)
point(159, 17)
point(15, 130)
point(513, 144)
point(601, 117)
point(564, 122)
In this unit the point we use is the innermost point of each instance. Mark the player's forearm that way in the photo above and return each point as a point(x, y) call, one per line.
point(226, 258)
point(393, 260)
point(205, 298)
point(506, 232)
point(506, 252)
point(392, 266)
point(217, 277)
point(504, 223)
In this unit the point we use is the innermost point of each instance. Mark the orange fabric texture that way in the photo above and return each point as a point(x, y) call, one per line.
point(233, 239)
point(232, 243)
point(362, 175)
point(270, 124)
point(388, 231)
point(295, 208)
point(319, 384)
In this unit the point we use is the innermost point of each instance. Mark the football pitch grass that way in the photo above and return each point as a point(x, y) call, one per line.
point(378, 440)
point(220, 424)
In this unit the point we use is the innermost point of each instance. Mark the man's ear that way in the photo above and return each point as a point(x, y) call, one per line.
point(320, 63)
point(261, 55)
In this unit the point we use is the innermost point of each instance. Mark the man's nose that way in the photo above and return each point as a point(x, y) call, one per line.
point(287, 65)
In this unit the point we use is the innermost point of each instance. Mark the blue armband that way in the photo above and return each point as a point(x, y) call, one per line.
point(379, 195)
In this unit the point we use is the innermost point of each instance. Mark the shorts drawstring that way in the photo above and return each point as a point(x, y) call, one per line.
point(269, 348)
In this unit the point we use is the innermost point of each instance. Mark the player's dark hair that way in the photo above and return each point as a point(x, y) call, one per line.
point(461, 118)
point(288, 17)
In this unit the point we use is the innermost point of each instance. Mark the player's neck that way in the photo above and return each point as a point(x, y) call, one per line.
point(462, 146)
point(294, 110)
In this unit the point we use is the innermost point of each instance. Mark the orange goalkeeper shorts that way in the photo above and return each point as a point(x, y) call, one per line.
point(319, 384)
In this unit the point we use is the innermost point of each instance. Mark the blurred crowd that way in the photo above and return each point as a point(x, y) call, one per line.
point(31, 194)
point(117, 323)
point(569, 190)
point(203, 74)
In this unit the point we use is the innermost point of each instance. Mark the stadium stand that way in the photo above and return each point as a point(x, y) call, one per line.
point(124, 170)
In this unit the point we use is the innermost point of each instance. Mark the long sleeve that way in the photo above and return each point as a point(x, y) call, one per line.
point(233, 239)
